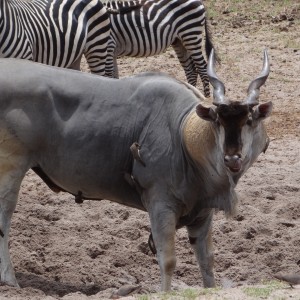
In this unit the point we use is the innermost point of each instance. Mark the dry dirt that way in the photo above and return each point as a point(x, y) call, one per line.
point(64, 250)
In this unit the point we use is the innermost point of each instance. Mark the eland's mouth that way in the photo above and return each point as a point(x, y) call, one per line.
point(234, 170)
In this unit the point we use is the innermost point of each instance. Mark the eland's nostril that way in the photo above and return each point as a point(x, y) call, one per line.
point(233, 162)
point(234, 157)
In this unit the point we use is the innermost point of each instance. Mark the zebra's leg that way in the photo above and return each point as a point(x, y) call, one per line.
point(97, 42)
point(111, 66)
point(204, 78)
point(194, 51)
point(116, 69)
point(96, 61)
point(76, 64)
point(186, 62)
point(200, 236)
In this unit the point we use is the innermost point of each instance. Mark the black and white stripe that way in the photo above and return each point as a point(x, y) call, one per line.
point(55, 32)
point(154, 26)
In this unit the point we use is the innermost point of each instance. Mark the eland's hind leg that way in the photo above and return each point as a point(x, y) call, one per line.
point(9, 188)
point(13, 166)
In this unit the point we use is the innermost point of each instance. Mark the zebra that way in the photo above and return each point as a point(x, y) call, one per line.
point(153, 26)
point(55, 32)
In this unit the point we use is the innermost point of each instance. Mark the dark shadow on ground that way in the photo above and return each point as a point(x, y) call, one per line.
point(54, 288)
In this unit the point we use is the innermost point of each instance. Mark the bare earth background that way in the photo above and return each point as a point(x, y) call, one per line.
point(62, 250)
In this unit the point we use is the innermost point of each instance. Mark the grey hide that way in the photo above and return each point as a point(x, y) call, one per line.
point(78, 129)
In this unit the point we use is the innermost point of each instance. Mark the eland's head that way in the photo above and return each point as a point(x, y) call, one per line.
point(240, 132)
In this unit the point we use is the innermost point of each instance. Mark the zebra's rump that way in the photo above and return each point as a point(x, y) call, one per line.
point(54, 32)
point(154, 26)
point(151, 28)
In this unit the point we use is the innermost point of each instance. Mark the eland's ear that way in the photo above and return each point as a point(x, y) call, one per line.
point(263, 110)
point(206, 113)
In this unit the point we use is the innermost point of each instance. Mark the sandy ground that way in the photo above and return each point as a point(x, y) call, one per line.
point(62, 250)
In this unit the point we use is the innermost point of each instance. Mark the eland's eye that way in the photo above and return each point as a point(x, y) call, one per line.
point(249, 122)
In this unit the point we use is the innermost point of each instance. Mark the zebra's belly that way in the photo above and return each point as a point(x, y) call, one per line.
point(140, 50)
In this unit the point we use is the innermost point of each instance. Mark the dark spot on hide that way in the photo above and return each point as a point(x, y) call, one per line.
point(192, 240)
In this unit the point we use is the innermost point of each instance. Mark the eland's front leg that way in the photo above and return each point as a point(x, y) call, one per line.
point(200, 235)
point(163, 226)
point(163, 230)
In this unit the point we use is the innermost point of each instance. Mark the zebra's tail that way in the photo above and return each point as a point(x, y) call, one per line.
point(209, 44)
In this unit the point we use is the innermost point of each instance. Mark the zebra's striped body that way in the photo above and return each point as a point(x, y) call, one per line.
point(55, 32)
point(156, 25)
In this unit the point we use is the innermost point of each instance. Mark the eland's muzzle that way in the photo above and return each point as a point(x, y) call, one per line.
point(233, 162)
